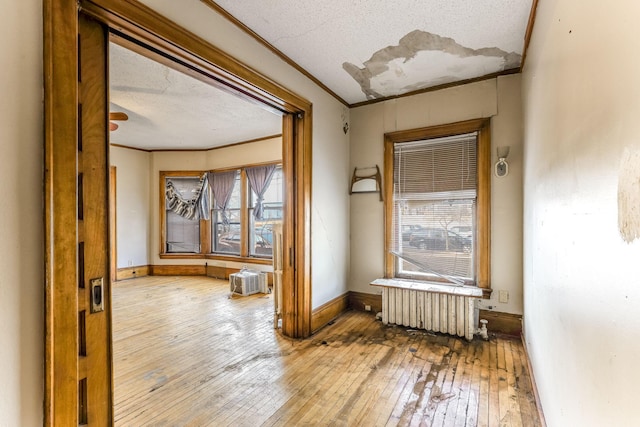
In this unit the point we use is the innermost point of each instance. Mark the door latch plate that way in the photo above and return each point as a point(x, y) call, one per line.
point(97, 295)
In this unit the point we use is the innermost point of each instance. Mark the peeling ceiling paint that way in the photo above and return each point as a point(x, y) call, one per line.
point(378, 48)
point(361, 50)
point(422, 59)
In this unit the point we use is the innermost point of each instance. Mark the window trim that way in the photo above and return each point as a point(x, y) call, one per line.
point(206, 244)
point(483, 209)
point(243, 218)
point(163, 216)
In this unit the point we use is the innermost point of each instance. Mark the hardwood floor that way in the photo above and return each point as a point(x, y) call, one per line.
point(185, 354)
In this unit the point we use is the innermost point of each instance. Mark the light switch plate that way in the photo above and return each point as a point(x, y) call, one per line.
point(503, 296)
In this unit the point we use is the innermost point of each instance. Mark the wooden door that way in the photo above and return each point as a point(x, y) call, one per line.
point(94, 290)
point(78, 340)
point(296, 277)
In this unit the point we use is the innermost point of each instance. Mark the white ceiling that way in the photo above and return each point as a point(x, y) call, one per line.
point(171, 110)
point(360, 49)
point(371, 49)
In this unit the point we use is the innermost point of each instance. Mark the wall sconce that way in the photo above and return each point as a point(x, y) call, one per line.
point(502, 167)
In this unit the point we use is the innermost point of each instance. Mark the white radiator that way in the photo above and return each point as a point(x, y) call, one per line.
point(277, 273)
point(437, 308)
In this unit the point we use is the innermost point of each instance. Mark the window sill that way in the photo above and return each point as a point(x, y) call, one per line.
point(236, 258)
point(181, 256)
point(415, 285)
point(232, 258)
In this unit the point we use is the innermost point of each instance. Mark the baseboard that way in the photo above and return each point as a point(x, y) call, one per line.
point(178, 270)
point(503, 323)
point(132, 272)
point(224, 273)
point(358, 301)
point(220, 272)
point(329, 311)
point(536, 396)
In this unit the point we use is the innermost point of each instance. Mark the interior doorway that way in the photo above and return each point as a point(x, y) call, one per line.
point(64, 391)
point(169, 128)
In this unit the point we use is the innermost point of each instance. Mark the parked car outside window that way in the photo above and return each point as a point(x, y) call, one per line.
point(439, 239)
point(408, 230)
point(463, 230)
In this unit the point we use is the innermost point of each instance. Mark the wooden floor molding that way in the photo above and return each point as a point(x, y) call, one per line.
point(324, 314)
point(223, 273)
point(132, 272)
point(499, 323)
point(219, 272)
point(186, 353)
point(534, 386)
point(503, 323)
point(359, 301)
point(178, 270)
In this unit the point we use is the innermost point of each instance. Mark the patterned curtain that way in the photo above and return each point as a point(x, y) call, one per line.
point(193, 209)
point(259, 177)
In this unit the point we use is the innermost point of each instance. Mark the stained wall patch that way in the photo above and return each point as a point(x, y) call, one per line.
point(629, 196)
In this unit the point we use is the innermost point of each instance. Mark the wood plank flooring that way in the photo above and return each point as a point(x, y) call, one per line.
point(185, 354)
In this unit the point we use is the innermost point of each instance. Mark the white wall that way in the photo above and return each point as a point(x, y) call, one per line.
point(496, 98)
point(21, 215)
point(581, 96)
point(133, 208)
point(330, 177)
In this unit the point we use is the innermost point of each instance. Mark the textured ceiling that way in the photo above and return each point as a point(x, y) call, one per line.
point(170, 110)
point(360, 49)
point(371, 49)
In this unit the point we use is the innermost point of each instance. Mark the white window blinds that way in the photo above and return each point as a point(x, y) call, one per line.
point(435, 193)
point(443, 168)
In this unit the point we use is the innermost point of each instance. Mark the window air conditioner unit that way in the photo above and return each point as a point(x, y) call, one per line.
point(248, 283)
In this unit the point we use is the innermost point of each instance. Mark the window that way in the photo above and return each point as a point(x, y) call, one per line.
point(437, 204)
point(182, 234)
point(261, 230)
point(232, 231)
point(226, 228)
point(229, 233)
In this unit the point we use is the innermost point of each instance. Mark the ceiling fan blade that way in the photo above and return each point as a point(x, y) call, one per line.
point(112, 126)
point(118, 115)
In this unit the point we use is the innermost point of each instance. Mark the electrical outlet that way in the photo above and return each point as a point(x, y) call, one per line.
point(503, 297)
point(367, 307)
point(130, 263)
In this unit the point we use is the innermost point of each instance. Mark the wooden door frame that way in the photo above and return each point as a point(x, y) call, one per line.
point(60, 67)
point(113, 223)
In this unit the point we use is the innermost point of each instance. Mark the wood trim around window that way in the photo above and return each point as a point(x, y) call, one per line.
point(483, 215)
point(244, 213)
point(163, 213)
point(206, 247)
